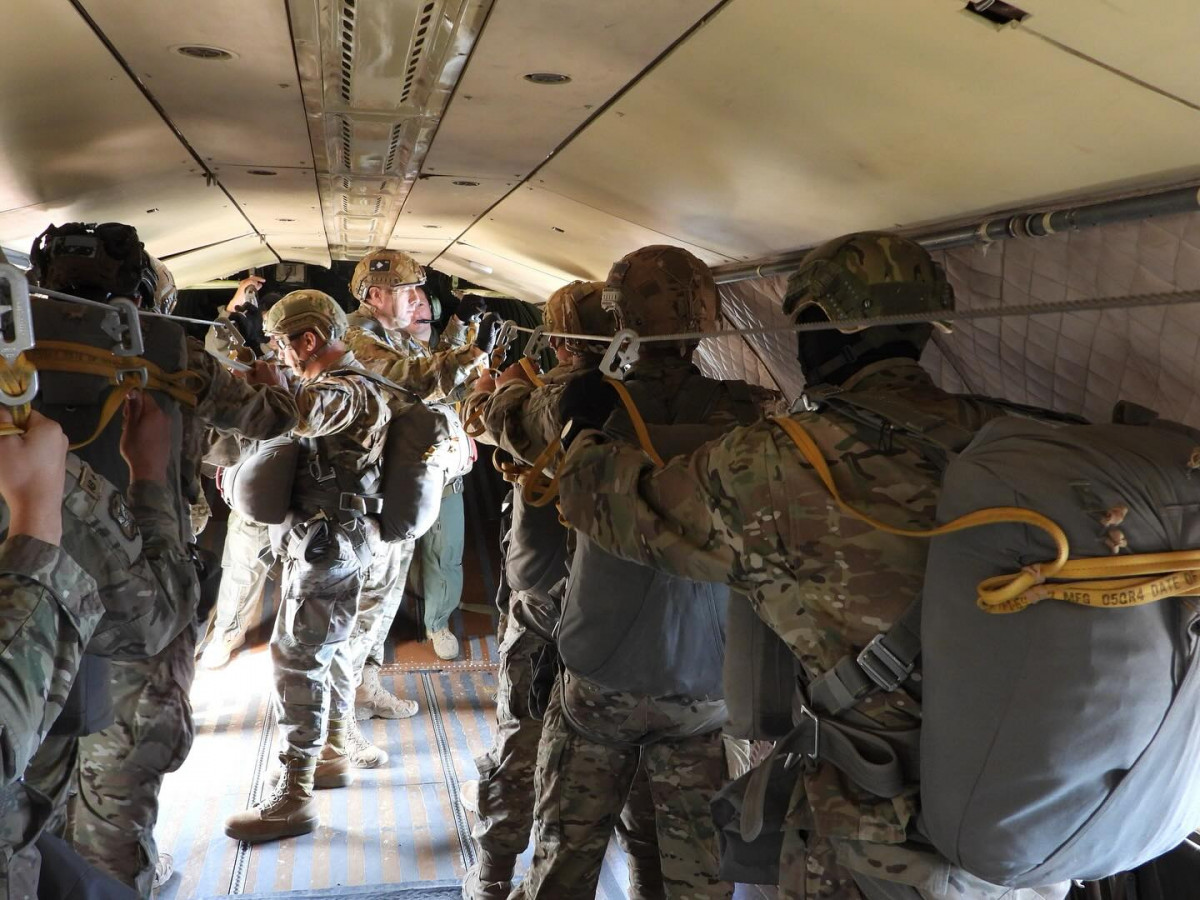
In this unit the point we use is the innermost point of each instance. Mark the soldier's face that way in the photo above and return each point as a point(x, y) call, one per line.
point(408, 304)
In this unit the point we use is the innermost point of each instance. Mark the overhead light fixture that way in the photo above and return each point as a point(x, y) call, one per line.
point(432, 226)
point(479, 267)
point(559, 230)
point(547, 78)
point(466, 183)
point(204, 51)
point(261, 172)
point(285, 220)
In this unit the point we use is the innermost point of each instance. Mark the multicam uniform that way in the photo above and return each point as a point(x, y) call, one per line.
point(121, 768)
point(431, 375)
point(324, 560)
point(748, 511)
point(48, 612)
point(506, 771)
point(134, 558)
point(598, 733)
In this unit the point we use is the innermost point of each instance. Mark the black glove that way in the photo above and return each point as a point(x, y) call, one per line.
point(489, 332)
point(249, 322)
point(470, 307)
point(586, 402)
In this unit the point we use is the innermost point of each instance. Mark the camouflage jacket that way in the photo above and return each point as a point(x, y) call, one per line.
point(50, 609)
point(432, 374)
point(347, 416)
point(747, 511)
point(518, 417)
point(226, 402)
point(134, 554)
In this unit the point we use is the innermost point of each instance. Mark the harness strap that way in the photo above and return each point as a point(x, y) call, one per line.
point(1123, 581)
point(534, 376)
point(882, 767)
point(883, 665)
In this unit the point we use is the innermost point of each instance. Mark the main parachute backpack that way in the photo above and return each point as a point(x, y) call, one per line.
point(1060, 675)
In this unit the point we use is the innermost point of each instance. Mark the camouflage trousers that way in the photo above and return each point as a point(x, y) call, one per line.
point(244, 576)
point(310, 646)
point(593, 744)
point(29, 807)
point(506, 771)
point(111, 819)
point(382, 594)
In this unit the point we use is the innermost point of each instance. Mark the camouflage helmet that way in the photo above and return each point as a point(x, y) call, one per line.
point(304, 311)
point(576, 308)
point(385, 268)
point(662, 289)
point(166, 295)
point(868, 274)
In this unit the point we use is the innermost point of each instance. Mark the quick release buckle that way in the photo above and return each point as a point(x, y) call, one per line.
point(882, 666)
point(812, 755)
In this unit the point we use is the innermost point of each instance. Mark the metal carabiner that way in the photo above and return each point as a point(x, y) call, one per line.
point(622, 352)
point(124, 326)
point(508, 333)
point(18, 309)
point(537, 342)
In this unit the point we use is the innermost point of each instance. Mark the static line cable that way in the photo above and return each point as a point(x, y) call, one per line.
point(71, 298)
point(623, 346)
point(1132, 301)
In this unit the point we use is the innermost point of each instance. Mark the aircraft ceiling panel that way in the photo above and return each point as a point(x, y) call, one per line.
point(295, 246)
point(219, 260)
point(446, 206)
point(172, 212)
point(779, 124)
point(499, 273)
point(555, 234)
point(423, 250)
point(501, 126)
point(246, 110)
point(276, 200)
point(1151, 40)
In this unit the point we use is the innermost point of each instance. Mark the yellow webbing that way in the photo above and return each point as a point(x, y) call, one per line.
point(639, 424)
point(1123, 580)
point(511, 470)
point(534, 376)
point(66, 356)
point(14, 381)
point(536, 490)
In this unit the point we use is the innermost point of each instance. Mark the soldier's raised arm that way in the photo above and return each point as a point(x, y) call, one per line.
point(48, 605)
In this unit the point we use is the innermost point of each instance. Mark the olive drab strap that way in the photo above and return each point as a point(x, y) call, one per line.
point(1113, 582)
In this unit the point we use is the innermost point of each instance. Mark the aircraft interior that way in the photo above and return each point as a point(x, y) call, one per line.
point(1045, 152)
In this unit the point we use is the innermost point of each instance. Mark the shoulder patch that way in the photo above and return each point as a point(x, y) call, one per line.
point(123, 516)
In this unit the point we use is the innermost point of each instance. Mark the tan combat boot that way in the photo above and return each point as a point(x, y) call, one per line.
point(361, 752)
point(490, 878)
point(287, 811)
point(334, 766)
point(373, 700)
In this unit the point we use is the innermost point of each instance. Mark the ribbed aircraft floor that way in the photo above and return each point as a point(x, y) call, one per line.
point(397, 825)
